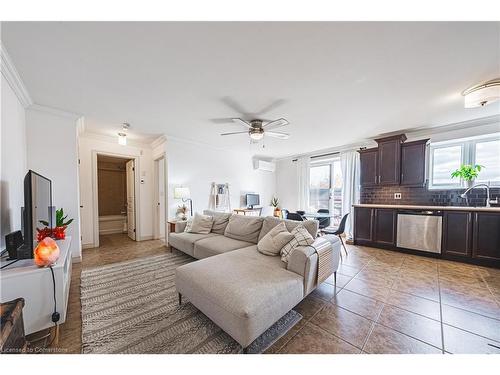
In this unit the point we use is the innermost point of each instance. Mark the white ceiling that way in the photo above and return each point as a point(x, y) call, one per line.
point(336, 82)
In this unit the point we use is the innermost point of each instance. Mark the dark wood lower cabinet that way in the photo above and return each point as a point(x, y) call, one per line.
point(468, 236)
point(363, 224)
point(457, 233)
point(486, 236)
point(384, 226)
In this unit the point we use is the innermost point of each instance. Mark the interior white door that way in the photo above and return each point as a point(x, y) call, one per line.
point(131, 199)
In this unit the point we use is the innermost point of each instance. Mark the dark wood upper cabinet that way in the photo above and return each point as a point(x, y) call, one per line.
point(389, 159)
point(457, 233)
point(413, 163)
point(486, 238)
point(363, 224)
point(384, 226)
point(368, 162)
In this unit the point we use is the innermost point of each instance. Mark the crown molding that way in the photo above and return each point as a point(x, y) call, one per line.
point(12, 76)
point(111, 139)
point(158, 141)
point(55, 111)
point(410, 133)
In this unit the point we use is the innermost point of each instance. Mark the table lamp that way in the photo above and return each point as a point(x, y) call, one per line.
point(184, 194)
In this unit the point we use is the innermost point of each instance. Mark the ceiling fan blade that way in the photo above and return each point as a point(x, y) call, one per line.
point(275, 124)
point(277, 135)
point(243, 132)
point(242, 122)
point(271, 106)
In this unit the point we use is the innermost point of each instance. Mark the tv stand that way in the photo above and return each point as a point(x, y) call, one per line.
point(248, 211)
point(34, 284)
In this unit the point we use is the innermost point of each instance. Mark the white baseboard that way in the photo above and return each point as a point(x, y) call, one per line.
point(145, 238)
point(87, 245)
point(110, 231)
point(76, 259)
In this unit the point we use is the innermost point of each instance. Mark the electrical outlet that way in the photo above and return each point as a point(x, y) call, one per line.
point(397, 195)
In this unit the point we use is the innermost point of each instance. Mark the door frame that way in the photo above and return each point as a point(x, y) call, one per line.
point(95, 192)
point(156, 217)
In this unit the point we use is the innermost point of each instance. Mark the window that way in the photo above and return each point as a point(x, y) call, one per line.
point(445, 160)
point(325, 188)
point(488, 156)
point(446, 157)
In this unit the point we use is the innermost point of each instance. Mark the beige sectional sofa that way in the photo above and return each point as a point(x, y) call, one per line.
point(242, 290)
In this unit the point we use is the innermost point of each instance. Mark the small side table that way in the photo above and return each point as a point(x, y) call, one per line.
point(171, 226)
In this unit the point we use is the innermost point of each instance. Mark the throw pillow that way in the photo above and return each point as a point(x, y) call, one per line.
point(244, 228)
point(221, 220)
point(201, 224)
point(189, 225)
point(301, 237)
point(274, 240)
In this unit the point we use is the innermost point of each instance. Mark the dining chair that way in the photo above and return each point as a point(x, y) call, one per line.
point(295, 216)
point(338, 231)
point(323, 221)
point(285, 213)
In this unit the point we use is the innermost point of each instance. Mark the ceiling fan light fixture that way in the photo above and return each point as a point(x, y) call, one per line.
point(122, 136)
point(482, 94)
point(256, 136)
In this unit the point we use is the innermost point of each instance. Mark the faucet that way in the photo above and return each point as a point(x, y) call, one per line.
point(488, 199)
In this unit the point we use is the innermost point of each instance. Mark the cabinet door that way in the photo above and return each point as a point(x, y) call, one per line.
point(385, 226)
point(413, 163)
point(486, 240)
point(457, 229)
point(368, 162)
point(363, 219)
point(389, 159)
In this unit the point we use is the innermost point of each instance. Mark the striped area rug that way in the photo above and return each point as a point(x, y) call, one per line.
point(132, 307)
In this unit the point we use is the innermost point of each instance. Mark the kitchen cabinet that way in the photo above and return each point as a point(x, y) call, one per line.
point(368, 163)
point(486, 236)
point(457, 233)
point(389, 159)
point(413, 163)
point(363, 225)
point(384, 224)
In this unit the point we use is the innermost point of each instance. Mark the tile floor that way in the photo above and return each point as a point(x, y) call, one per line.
point(389, 302)
point(384, 302)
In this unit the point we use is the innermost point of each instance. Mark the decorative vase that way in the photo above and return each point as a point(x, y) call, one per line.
point(277, 212)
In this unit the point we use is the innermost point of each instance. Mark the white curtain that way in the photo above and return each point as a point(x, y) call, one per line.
point(303, 181)
point(349, 162)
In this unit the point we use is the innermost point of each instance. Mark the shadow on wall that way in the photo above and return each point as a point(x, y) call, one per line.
point(5, 212)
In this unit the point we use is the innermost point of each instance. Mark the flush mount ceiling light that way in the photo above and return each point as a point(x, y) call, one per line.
point(482, 94)
point(122, 136)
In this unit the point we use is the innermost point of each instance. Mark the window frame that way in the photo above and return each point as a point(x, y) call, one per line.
point(468, 156)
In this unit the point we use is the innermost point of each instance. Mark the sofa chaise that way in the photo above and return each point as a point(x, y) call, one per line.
point(240, 289)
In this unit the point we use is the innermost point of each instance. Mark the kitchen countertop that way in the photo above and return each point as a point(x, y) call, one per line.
point(441, 208)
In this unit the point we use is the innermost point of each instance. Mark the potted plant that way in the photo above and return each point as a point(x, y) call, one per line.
point(59, 231)
point(467, 173)
point(275, 203)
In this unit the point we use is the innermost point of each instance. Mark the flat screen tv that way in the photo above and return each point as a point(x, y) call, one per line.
point(252, 200)
point(37, 207)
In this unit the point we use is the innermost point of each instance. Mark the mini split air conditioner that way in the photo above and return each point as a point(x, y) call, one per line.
point(263, 165)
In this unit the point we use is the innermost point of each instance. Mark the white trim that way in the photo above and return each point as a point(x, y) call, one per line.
point(87, 246)
point(415, 133)
point(13, 77)
point(158, 141)
point(55, 111)
point(156, 218)
point(95, 196)
point(76, 259)
point(111, 139)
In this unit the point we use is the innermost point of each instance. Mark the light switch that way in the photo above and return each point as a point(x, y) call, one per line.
point(397, 195)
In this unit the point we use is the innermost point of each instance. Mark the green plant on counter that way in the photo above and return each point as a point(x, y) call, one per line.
point(467, 172)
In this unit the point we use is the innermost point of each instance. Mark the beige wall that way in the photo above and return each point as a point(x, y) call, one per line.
point(112, 186)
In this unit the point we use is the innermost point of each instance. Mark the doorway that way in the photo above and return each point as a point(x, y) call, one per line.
point(115, 204)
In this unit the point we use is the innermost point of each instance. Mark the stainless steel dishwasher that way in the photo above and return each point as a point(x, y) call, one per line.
point(420, 230)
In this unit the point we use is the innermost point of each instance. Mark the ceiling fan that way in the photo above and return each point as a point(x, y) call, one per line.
point(256, 129)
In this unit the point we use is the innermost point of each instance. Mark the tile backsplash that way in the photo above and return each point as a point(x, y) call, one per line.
point(423, 196)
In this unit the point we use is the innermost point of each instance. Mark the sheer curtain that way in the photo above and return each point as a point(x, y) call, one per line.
point(349, 161)
point(303, 181)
